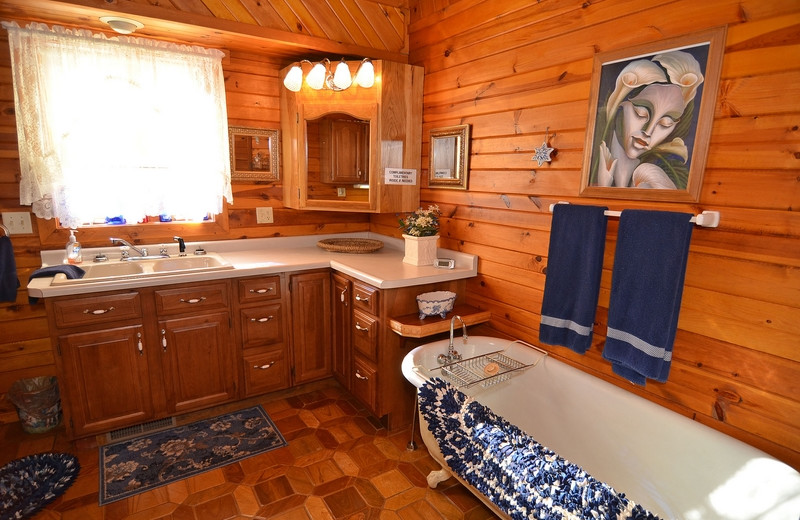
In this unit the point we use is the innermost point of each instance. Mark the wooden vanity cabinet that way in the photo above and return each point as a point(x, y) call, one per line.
point(367, 353)
point(103, 366)
point(264, 364)
point(311, 325)
point(198, 358)
point(128, 357)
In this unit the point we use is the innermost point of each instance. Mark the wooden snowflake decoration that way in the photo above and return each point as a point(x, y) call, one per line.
point(542, 154)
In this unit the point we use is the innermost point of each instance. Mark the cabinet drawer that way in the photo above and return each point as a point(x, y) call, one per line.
point(259, 289)
point(265, 372)
point(262, 325)
point(365, 334)
point(97, 309)
point(365, 383)
point(191, 299)
point(365, 297)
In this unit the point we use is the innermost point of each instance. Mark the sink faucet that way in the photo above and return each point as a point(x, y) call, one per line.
point(452, 355)
point(181, 245)
point(142, 251)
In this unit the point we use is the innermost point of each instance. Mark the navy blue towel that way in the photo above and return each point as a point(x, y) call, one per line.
point(574, 267)
point(646, 290)
point(9, 283)
point(70, 271)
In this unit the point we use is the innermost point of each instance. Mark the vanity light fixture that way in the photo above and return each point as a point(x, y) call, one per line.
point(322, 77)
point(121, 25)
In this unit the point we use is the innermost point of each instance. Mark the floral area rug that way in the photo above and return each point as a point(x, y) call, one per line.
point(144, 463)
point(30, 483)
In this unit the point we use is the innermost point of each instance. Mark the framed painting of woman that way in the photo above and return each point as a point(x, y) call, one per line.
point(651, 111)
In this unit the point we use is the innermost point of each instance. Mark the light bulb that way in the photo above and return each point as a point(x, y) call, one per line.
point(294, 79)
point(341, 77)
point(365, 77)
point(316, 78)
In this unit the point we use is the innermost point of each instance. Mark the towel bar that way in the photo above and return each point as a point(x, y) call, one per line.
point(705, 219)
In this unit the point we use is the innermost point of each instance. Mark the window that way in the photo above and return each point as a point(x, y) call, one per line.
point(118, 126)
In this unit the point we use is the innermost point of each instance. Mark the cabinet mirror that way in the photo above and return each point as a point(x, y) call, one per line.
point(338, 156)
point(449, 155)
point(255, 154)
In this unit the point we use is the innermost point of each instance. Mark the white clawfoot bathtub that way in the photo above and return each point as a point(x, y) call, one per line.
point(671, 465)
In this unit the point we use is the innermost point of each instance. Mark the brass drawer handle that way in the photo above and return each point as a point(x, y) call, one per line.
point(360, 298)
point(262, 320)
point(139, 345)
point(359, 376)
point(264, 367)
point(261, 291)
point(362, 329)
point(98, 311)
point(194, 300)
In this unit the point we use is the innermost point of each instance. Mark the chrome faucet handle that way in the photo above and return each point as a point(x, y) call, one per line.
point(163, 251)
point(124, 252)
point(144, 251)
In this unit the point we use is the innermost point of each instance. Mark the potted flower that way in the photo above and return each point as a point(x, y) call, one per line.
point(421, 235)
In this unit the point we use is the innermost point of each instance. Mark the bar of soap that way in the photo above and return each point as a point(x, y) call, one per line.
point(491, 369)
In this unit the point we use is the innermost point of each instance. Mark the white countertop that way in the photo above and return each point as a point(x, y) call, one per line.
point(384, 268)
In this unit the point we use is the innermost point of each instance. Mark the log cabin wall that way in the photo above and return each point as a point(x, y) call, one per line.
point(512, 69)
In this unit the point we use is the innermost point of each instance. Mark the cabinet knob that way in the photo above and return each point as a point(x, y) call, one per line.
point(264, 367)
point(139, 343)
point(262, 320)
point(343, 296)
point(359, 376)
point(193, 300)
point(98, 311)
point(164, 340)
point(261, 291)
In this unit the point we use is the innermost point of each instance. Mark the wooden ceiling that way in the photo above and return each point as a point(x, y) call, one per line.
point(285, 29)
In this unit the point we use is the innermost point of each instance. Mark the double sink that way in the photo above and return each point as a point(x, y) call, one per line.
point(117, 270)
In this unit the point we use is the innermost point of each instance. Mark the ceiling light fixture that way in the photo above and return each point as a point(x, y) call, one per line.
point(121, 25)
point(322, 77)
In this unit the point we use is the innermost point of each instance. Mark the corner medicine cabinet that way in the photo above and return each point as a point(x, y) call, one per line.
point(337, 145)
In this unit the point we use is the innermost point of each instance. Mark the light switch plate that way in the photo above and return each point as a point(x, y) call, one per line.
point(264, 215)
point(17, 222)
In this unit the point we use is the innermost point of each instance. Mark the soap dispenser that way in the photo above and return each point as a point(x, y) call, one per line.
point(73, 248)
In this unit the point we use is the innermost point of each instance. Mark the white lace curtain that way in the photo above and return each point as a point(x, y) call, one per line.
point(118, 126)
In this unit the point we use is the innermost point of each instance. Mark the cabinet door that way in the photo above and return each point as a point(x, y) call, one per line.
point(106, 379)
point(341, 350)
point(344, 153)
point(198, 361)
point(311, 325)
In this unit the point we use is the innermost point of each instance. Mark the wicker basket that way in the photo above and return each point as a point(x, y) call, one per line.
point(350, 245)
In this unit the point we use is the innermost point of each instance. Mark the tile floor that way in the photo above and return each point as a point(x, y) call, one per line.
point(339, 464)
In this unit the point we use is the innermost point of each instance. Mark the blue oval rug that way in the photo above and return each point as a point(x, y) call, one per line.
point(30, 483)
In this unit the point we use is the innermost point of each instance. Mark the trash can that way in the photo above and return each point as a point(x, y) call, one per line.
point(38, 403)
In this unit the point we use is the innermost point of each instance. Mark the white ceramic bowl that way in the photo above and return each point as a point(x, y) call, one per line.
point(436, 303)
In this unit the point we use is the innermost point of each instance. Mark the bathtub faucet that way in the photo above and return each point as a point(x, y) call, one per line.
point(452, 355)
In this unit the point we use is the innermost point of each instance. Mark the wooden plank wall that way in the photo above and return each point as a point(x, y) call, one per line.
point(252, 89)
point(512, 69)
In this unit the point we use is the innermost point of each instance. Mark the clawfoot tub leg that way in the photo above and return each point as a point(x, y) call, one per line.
point(435, 477)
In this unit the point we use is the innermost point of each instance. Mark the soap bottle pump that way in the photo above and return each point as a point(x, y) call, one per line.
point(73, 248)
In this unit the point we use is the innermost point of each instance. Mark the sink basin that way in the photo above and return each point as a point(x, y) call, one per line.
point(116, 270)
point(187, 262)
point(94, 271)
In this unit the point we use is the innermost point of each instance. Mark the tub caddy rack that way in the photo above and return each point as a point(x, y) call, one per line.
point(469, 372)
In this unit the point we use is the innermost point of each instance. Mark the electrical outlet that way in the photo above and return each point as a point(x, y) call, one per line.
point(342, 192)
point(17, 222)
point(264, 215)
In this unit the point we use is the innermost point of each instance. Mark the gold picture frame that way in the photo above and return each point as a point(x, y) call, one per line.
point(255, 154)
point(449, 157)
point(651, 111)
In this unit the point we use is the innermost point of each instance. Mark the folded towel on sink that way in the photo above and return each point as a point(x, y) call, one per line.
point(70, 271)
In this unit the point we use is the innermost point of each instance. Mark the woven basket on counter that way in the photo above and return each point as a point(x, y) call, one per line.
point(350, 245)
